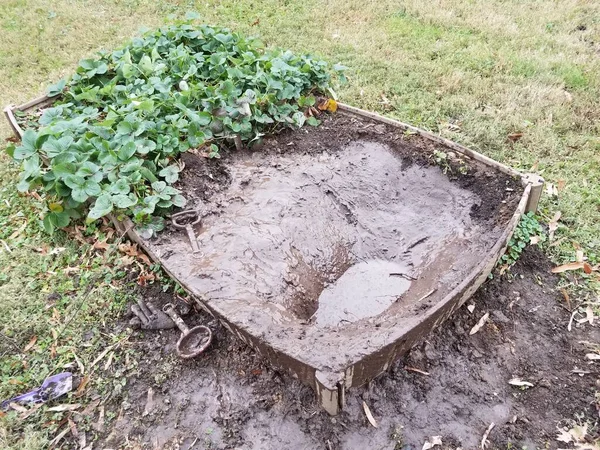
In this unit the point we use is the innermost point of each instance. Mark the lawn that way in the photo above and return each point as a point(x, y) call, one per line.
point(517, 81)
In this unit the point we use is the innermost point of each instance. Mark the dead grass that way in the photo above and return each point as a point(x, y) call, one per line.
point(474, 71)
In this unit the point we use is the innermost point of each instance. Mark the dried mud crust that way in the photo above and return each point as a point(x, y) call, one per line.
point(499, 193)
point(230, 398)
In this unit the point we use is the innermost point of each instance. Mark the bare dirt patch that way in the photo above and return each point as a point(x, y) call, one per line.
point(230, 398)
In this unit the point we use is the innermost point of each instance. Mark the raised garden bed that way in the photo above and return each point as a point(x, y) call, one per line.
point(334, 249)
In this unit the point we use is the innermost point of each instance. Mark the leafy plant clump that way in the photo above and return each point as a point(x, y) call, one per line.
point(111, 140)
point(529, 231)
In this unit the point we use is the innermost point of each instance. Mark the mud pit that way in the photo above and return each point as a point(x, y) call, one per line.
point(329, 235)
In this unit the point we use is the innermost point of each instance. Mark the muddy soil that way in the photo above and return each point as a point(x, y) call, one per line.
point(330, 233)
point(230, 398)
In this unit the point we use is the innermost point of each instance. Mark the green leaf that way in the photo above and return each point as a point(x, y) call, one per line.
point(64, 169)
point(127, 151)
point(23, 152)
point(120, 187)
point(29, 145)
point(313, 122)
point(128, 71)
point(47, 225)
point(54, 147)
point(102, 207)
point(92, 188)
point(56, 89)
point(10, 150)
point(203, 118)
point(178, 200)
point(299, 118)
point(79, 195)
point(148, 175)
point(74, 181)
point(170, 173)
point(146, 105)
point(124, 201)
point(145, 146)
point(146, 65)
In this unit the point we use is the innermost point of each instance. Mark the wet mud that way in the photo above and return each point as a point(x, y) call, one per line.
point(326, 234)
point(230, 398)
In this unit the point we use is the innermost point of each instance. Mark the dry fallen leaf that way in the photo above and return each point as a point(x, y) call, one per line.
point(514, 137)
point(433, 441)
point(579, 432)
point(30, 345)
point(101, 245)
point(534, 240)
point(370, 417)
point(480, 324)
point(564, 435)
point(73, 428)
point(560, 185)
point(520, 383)
point(17, 407)
point(551, 190)
point(328, 104)
point(567, 267)
point(82, 385)
point(65, 407)
point(553, 225)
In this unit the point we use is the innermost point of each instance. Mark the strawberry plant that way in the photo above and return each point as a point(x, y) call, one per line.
point(111, 141)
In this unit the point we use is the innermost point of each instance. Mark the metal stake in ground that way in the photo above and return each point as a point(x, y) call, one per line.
point(194, 218)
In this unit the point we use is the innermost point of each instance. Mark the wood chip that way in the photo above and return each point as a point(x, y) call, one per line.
point(520, 383)
point(414, 369)
point(480, 324)
point(370, 417)
point(426, 295)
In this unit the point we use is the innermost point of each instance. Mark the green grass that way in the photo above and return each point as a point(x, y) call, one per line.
point(489, 68)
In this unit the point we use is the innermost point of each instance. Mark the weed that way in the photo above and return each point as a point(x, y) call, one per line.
point(527, 230)
point(441, 159)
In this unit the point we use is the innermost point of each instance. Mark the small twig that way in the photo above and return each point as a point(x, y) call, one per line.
point(426, 295)
point(414, 369)
point(415, 243)
point(571, 320)
point(403, 275)
point(237, 140)
point(486, 434)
